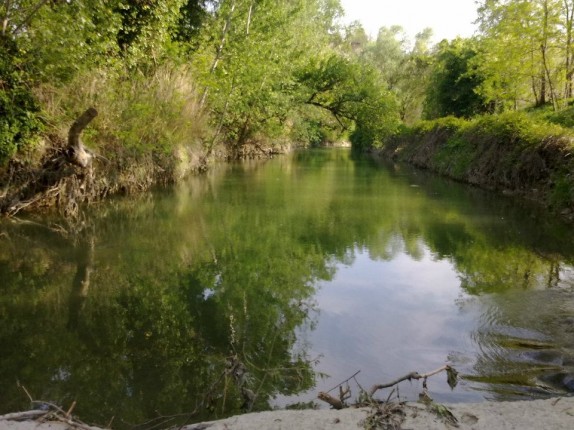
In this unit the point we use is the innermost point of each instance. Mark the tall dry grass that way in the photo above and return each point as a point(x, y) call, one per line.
point(148, 127)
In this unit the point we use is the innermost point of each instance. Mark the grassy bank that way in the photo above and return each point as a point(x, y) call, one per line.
point(148, 131)
point(515, 153)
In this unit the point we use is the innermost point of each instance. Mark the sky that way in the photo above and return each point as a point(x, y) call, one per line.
point(447, 18)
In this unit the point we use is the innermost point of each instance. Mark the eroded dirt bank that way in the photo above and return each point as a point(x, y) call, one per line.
point(502, 155)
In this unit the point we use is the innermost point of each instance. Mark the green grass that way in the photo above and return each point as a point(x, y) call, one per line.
point(517, 151)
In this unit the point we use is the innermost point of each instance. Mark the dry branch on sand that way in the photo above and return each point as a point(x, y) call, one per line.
point(48, 412)
point(387, 414)
point(45, 411)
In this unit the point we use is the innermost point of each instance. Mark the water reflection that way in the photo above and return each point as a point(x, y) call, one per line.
point(217, 296)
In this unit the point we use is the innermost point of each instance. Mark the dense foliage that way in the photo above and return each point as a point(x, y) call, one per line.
point(454, 82)
point(178, 80)
point(18, 108)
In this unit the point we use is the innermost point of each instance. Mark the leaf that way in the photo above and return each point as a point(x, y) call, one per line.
point(452, 377)
point(445, 414)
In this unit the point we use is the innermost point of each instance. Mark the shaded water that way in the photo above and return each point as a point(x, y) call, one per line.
point(261, 284)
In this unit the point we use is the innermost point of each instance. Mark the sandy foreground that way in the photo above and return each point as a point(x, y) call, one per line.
point(552, 414)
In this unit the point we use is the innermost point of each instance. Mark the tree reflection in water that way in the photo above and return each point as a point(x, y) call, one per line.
point(189, 302)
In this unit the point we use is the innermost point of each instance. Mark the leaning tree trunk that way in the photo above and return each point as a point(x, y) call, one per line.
point(77, 153)
point(54, 182)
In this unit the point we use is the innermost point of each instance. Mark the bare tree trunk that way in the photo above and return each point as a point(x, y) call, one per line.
point(249, 18)
point(569, 54)
point(219, 51)
point(7, 4)
point(544, 52)
point(542, 98)
point(77, 153)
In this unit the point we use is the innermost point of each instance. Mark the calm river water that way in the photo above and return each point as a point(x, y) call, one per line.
point(262, 283)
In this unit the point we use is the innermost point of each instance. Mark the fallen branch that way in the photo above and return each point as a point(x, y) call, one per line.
point(408, 377)
point(346, 380)
point(344, 393)
point(23, 416)
point(48, 412)
point(333, 401)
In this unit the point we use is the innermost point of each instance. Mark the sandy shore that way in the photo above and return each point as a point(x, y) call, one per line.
point(552, 414)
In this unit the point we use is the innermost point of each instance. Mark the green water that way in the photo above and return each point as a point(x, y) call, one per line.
point(260, 284)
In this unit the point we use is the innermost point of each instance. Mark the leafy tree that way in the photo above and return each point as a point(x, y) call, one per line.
point(19, 120)
point(192, 15)
point(247, 62)
point(454, 82)
point(525, 51)
point(354, 94)
point(404, 69)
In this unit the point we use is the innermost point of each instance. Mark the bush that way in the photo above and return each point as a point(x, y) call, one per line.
point(19, 111)
point(516, 128)
point(138, 115)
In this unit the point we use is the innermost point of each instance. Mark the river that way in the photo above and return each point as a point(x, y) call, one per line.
point(259, 284)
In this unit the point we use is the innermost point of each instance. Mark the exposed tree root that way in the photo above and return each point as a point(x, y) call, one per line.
point(65, 178)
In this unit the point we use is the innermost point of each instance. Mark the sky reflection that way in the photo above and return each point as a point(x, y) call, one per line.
point(388, 318)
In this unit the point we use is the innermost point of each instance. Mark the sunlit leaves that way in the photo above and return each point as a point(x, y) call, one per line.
point(353, 93)
point(523, 50)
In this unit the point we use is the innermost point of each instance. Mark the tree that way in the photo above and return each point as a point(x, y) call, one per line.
point(354, 93)
point(192, 16)
point(246, 64)
point(454, 82)
point(404, 69)
point(19, 119)
point(525, 52)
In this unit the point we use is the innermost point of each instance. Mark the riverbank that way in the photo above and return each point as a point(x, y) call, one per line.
point(512, 153)
point(553, 414)
point(51, 180)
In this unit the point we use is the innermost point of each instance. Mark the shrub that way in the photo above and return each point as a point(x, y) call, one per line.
point(19, 111)
point(138, 115)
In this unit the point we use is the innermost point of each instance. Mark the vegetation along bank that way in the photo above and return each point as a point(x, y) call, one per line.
point(172, 85)
point(511, 153)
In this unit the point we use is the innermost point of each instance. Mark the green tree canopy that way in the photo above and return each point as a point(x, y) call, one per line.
point(454, 82)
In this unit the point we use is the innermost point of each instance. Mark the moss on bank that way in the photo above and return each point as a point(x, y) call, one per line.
point(514, 153)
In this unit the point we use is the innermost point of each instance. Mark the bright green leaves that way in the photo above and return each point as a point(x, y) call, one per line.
point(525, 52)
point(247, 60)
point(353, 93)
point(67, 38)
point(146, 30)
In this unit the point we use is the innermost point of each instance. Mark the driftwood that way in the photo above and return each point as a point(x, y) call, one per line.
point(47, 412)
point(23, 416)
point(344, 393)
point(339, 403)
point(333, 401)
point(409, 377)
point(388, 414)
